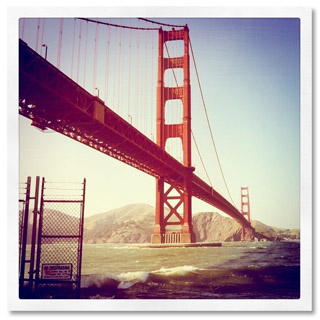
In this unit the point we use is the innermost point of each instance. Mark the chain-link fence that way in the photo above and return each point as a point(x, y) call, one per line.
point(59, 254)
point(22, 204)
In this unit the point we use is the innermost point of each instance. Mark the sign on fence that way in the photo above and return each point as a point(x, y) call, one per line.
point(56, 271)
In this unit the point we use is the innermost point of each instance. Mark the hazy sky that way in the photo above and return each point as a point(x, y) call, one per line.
point(249, 73)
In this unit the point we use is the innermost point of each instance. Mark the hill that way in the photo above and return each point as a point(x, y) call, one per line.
point(55, 222)
point(131, 223)
point(276, 233)
point(134, 224)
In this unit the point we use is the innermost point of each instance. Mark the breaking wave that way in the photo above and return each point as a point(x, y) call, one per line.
point(126, 280)
point(181, 270)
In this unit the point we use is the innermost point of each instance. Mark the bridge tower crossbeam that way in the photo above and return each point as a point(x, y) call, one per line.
point(172, 222)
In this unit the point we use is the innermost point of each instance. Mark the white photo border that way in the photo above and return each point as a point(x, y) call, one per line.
point(305, 301)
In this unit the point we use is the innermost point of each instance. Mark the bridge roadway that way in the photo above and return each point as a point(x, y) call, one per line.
point(52, 100)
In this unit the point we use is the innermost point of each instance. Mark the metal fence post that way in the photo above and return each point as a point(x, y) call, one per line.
point(81, 237)
point(24, 237)
point(39, 238)
point(34, 232)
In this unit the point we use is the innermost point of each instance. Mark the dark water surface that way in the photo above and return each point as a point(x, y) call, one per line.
point(238, 270)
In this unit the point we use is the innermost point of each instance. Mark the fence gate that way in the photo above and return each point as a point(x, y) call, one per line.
point(57, 242)
point(58, 271)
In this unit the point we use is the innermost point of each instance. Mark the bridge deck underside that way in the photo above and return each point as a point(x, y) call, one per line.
point(52, 100)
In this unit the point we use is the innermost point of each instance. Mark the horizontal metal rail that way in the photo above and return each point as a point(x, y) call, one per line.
point(60, 236)
point(65, 201)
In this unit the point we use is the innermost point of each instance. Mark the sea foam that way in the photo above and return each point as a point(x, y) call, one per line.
point(96, 280)
point(178, 271)
point(128, 279)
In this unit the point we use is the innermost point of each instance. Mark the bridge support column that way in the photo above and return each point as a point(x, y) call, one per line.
point(246, 234)
point(158, 230)
point(173, 225)
point(187, 235)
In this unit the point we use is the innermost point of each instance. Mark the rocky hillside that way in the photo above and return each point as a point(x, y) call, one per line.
point(55, 222)
point(275, 233)
point(134, 224)
point(128, 224)
point(211, 227)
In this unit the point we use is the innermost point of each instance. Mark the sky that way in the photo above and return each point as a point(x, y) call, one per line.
point(249, 73)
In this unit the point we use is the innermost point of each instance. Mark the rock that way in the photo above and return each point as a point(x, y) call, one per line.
point(211, 227)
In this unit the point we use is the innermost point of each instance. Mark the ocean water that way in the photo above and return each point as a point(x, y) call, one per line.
point(237, 270)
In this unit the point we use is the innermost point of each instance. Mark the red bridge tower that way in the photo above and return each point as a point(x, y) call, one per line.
point(172, 226)
point(246, 234)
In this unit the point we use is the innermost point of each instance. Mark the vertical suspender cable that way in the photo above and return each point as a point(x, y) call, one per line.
point(123, 41)
point(119, 72)
point(114, 68)
point(60, 43)
point(137, 80)
point(152, 83)
point(178, 109)
point(38, 30)
point(85, 57)
point(42, 34)
point(79, 47)
point(107, 64)
point(95, 58)
point(175, 110)
point(129, 79)
point(146, 115)
point(73, 40)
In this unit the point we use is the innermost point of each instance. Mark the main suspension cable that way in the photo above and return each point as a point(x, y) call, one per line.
point(162, 24)
point(117, 25)
point(193, 137)
point(205, 170)
point(208, 122)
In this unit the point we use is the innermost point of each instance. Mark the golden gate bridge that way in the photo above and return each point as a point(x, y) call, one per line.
point(124, 89)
